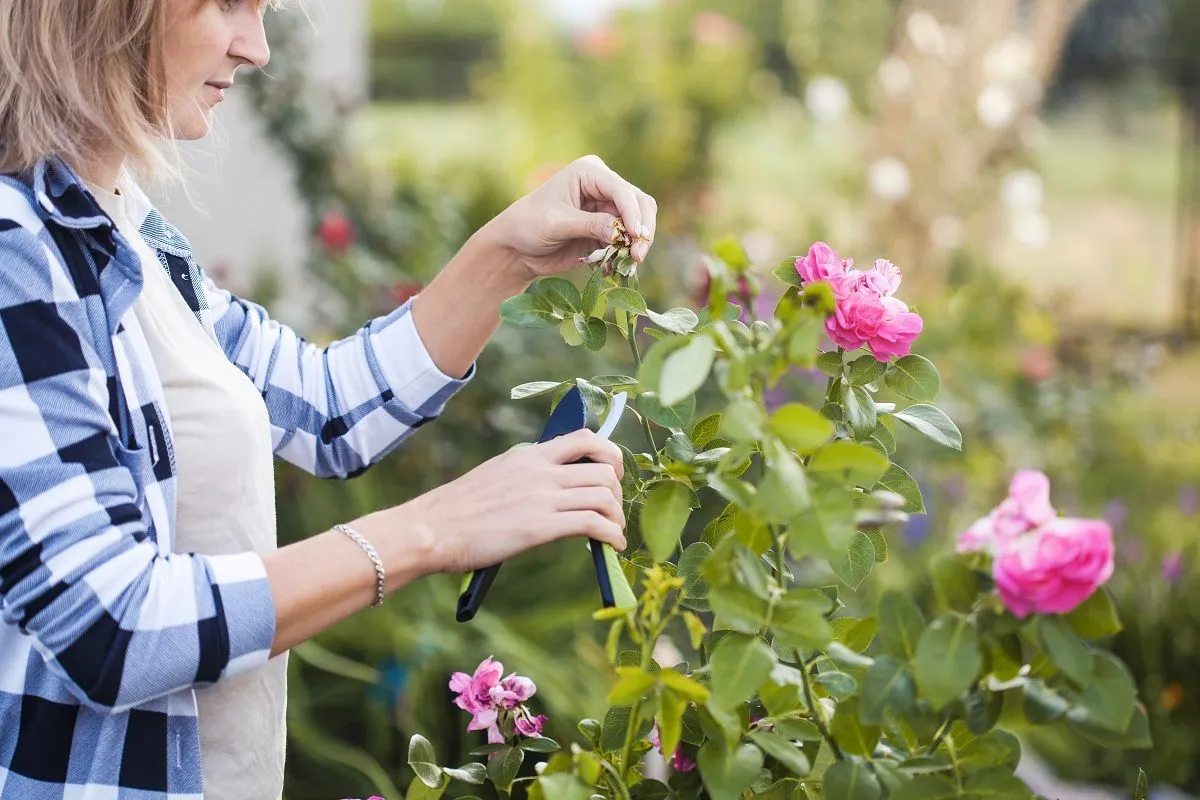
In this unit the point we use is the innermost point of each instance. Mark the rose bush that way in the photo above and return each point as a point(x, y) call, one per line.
point(795, 684)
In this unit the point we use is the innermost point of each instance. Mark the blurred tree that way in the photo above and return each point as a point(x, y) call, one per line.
point(428, 49)
point(1181, 66)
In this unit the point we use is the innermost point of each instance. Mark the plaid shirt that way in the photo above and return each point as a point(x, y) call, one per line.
point(105, 631)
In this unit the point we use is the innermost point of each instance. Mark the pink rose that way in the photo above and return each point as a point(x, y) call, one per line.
point(512, 691)
point(679, 760)
point(530, 725)
point(475, 696)
point(1027, 507)
point(1054, 568)
point(866, 312)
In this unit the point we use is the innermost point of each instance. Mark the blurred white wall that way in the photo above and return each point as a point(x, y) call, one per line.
point(239, 209)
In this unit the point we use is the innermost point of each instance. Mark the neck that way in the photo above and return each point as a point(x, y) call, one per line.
point(103, 170)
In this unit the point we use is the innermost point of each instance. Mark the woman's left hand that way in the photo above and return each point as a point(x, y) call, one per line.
point(573, 213)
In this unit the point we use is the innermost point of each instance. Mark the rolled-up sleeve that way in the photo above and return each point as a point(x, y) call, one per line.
point(335, 410)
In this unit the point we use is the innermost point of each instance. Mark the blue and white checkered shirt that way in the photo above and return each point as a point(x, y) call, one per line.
point(105, 631)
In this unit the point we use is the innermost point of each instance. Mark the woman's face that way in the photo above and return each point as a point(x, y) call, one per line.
point(206, 41)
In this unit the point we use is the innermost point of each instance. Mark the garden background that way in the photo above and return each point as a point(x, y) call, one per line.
point(1031, 165)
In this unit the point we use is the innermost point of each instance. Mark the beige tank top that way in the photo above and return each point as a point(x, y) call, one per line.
point(225, 504)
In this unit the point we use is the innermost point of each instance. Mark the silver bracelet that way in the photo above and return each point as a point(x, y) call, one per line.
point(380, 573)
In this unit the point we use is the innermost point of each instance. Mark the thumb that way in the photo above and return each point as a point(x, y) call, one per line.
point(575, 224)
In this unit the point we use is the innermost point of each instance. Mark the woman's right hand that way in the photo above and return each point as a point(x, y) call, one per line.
point(523, 498)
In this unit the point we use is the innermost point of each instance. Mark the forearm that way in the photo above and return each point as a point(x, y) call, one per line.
point(324, 579)
point(457, 313)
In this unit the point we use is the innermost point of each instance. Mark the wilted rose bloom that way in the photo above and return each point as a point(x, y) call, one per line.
point(866, 311)
point(1053, 569)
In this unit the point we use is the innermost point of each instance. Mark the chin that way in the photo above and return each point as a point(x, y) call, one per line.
point(196, 127)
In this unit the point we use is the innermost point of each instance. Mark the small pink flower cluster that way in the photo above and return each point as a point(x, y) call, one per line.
point(866, 313)
point(1042, 563)
point(492, 701)
point(679, 760)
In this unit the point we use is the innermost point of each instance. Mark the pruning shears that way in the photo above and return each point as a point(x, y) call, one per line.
point(568, 416)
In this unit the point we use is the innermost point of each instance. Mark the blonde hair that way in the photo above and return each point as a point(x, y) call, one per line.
point(74, 81)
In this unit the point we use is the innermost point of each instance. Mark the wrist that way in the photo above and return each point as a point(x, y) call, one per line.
point(503, 266)
point(405, 544)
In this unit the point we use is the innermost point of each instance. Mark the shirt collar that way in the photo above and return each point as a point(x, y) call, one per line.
point(62, 194)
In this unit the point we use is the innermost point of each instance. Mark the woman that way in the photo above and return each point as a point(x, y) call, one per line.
point(145, 606)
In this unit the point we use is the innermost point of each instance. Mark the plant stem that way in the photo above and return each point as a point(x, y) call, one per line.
point(631, 729)
point(631, 330)
point(819, 714)
point(779, 561)
point(940, 736)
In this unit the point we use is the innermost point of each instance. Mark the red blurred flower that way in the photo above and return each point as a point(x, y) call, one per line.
point(1038, 363)
point(715, 29)
point(336, 233)
point(403, 291)
point(599, 42)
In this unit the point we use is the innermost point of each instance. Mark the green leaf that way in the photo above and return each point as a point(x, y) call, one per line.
point(727, 773)
point(539, 744)
point(787, 273)
point(801, 428)
point(783, 751)
point(865, 369)
point(803, 342)
point(674, 417)
point(740, 664)
point(678, 320)
point(730, 250)
point(800, 624)
point(488, 749)
point(1041, 704)
point(593, 331)
point(1065, 649)
point(796, 728)
point(926, 787)
point(423, 761)
point(737, 608)
point(706, 430)
point(1135, 737)
point(694, 584)
point(684, 687)
point(670, 719)
point(783, 492)
point(614, 381)
point(595, 399)
point(626, 299)
point(1141, 791)
point(564, 786)
point(633, 685)
point(570, 334)
point(1110, 694)
point(883, 434)
point(1097, 617)
point(838, 684)
point(900, 624)
point(535, 389)
point(561, 293)
point(858, 563)
point(685, 370)
point(827, 528)
point(504, 766)
point(847, 780)
point(914, 377)
point(860, 411)
point(887, 685)
point(468, 773)
point(850, 461)
point(528, 311)
point(996, 749)
point(995, 784)
point(851, 735)
point(897, 480)
point(743, 421)
point(592, 302)
point(948, 660)
point(857, 634)
point(932, 423)
point(830, 362)
point(663, 517)
point(956, 584)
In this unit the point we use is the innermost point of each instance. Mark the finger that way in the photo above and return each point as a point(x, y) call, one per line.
point(597, 180)
point(572, 223)
point(649, 227)
point(584, 443)
point(592, 525)
point(576, 475)
point(592, 498)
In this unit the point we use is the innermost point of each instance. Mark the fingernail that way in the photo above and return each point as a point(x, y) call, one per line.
point(644, 232)
point(640, 250)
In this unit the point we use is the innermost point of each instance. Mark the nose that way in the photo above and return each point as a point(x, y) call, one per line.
point(249, 45)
